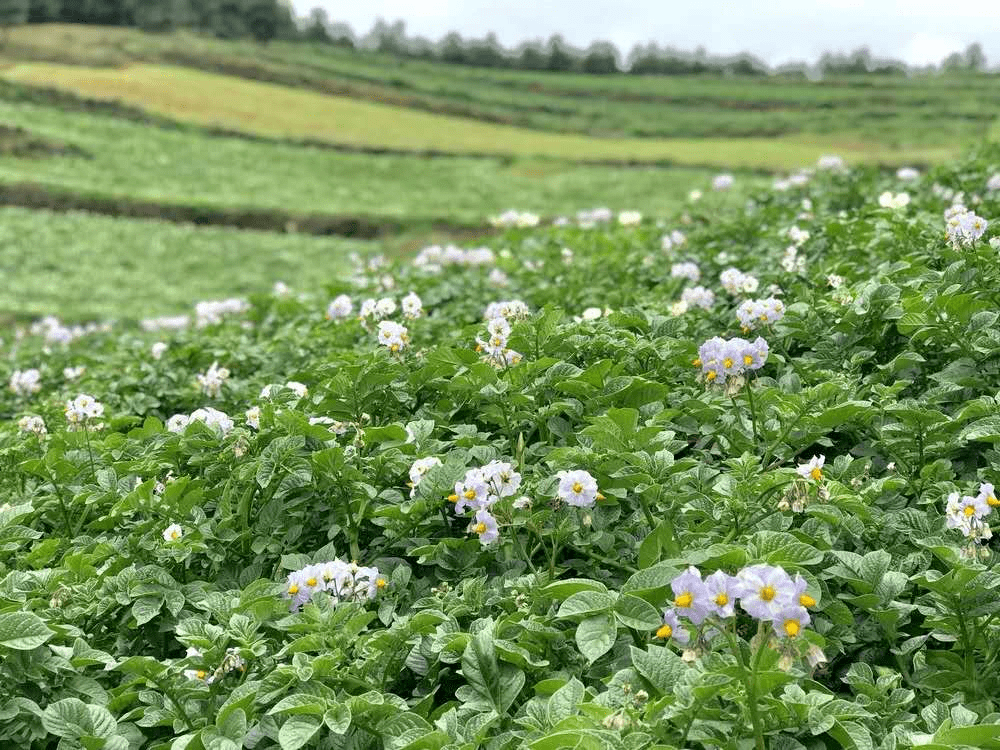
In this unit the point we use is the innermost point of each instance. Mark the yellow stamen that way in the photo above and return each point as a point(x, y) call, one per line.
point(200, 674)
point(381, 583)
point(293, 589)
point(992, 501)
point(727, 363)
point(722, 600)
point(453, 498)
point(710, 375)
point(664, 631)
point(469, 494)
point(684, 600)
point(696, 362)
point(479, 528)
point(174, 535)
point(816, 474)
point(311, 582)
point(577, 487)
point(969, 510)
point(792, 627)
point(747, 359)
point(767, 593)
point(394, 347)
point(599, 496)
point(807, 601)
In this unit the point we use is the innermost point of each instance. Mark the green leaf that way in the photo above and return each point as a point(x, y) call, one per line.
point(565, 588)
point(297, 731)
point(337, 718)
point(23, 631)
point(564, 701)
point(637, 613)
point(595, 636)
point(498, 685)
point(660, 666)
point(586, 603)
point(299, 703)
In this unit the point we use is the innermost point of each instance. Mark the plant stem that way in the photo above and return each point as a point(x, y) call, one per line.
point(753, 413)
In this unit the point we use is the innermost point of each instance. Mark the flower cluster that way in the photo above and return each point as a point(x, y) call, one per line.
point(831, 162)
point(217, 420)
point(513, 309)
point(173, 532)
point(907, 174)
point(697, 296)
point(578, 488)
point(721, 359)
point(74, 373)
point(212, 380)
point(393, 336)
point(629, 218)
point(813, 469)
point(413, 306)
point(376, 310)
point(686, 270)
point(589, 218)
point(798, 236)
point(25, 382)
point(760, 312)
point(967, 513)
point(515, 218)
point(339, 308)
point(213, 311)
point(963, 226)
point(722, 182)
point(479, 491)
point(765, 592)
point(158, 349)
point(435, 256)
point(32, 424)
point(735, 281)
point(495, 346)
point(299, 389)
point(80, 410)
point(993, 183)
point(340, 580)
point(792, 262)
point(673, 240)
point(894, 201)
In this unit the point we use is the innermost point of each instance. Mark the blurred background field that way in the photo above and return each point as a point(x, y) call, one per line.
point(167, 133)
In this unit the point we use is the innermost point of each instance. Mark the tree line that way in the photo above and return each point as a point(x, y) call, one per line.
point(265, 20)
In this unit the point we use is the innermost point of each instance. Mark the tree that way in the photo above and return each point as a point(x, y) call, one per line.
point(317, 29)
point(559, 57)
point(159, 15)
point(601, 59)
point(531, 57)
point(974, 57)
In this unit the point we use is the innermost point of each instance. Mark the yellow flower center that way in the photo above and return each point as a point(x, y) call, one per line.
point(747, 359)
point(684, 600)
point(767, 593)
point(200, 674)
point(577, 487)
point(293, 589)
point(792, 627)
point(381, 583)
point(807, 601)
point(721, 599)
point(469, 494)
point(480, 528)
point(453, 498)
point(816, 474)
point(710, 375)
point(969, 510)
point(992, 501)
point(665, 631)
point(174, 535)
point(727, 363)
point(311, 582)
point(394, 347)
point(696, 362)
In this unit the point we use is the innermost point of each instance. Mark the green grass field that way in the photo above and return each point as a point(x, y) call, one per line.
point(273, 110)
point(183, 124)
point(133, 160)
point(86, 267)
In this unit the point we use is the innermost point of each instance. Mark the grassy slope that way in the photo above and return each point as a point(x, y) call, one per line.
point(141, 162)
point(84, 267)
point(890, 111)
point(270, 109)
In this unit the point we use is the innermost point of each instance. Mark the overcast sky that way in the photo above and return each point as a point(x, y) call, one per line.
point(917, 31)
